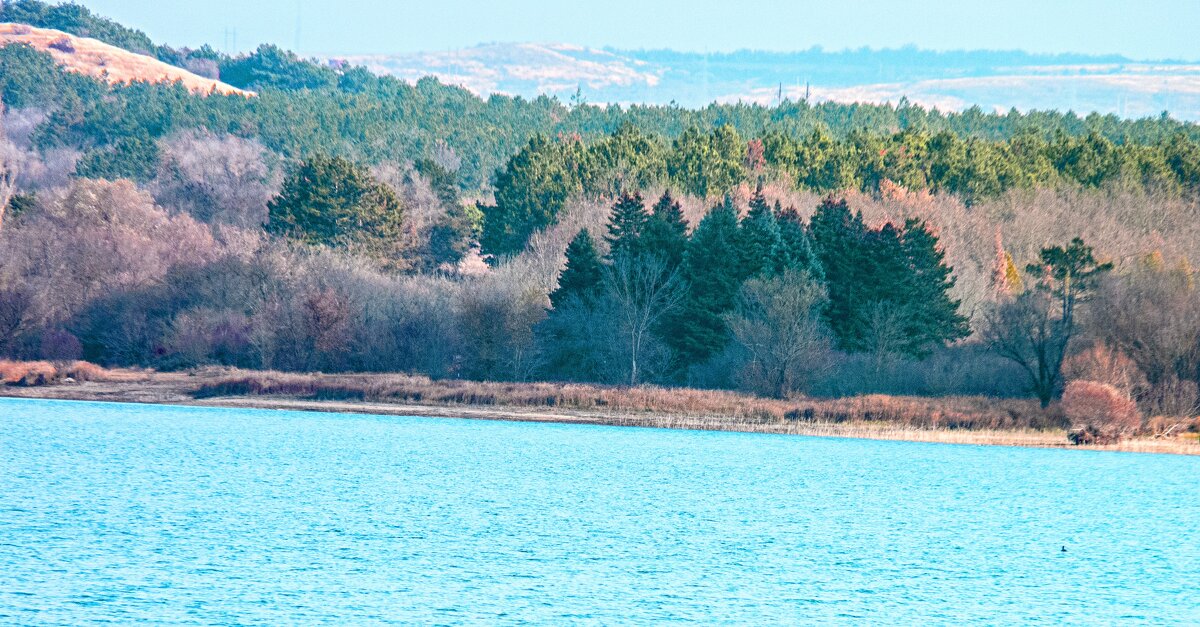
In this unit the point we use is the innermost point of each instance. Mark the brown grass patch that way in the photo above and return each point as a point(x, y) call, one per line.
point(27, 372)
point(33, 373)
point(952, 413)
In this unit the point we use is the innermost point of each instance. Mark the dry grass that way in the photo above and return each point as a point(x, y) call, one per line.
point(27, 372)
point(33, 373)
point(951, 413)
point(957, 420)
point(97, 59)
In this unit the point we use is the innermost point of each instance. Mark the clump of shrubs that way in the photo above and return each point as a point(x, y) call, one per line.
point(63, 44)
point(1099, 413)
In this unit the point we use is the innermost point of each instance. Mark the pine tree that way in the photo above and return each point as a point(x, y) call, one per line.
point(626, 224)
point(796, 251)
point(839, 238)
point(886, 277)
point(582, 276)
point(758, 238)
point(666, 232)
point(334, 202)
point(530, 191)
point(712, 271)
point(925, 281)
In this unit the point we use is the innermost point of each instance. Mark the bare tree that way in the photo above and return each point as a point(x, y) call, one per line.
point(96, 236)
point(1152, 314)
point(219, 179)
point(778, 322)
point(1035, 329)
point(9, 154)
point(642, 289)
point(496, 316)
point(8, 183)
point(885, 338)
point(1029, 331)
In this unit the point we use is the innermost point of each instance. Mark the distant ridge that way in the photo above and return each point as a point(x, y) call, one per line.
point(106, 62)
point(992, 80)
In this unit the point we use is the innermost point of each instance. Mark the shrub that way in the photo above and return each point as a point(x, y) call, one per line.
point(63, 44)
point(85, 371)
point(1106, 365)
point(1099, 413)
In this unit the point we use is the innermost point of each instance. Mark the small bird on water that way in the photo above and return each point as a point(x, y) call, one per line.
point(1064, 549)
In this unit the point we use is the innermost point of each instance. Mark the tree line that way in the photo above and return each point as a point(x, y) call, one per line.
point(767, 291)
point(306, 108)
point(536, 182)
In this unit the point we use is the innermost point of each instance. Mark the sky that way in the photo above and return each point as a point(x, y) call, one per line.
point(1140, 29)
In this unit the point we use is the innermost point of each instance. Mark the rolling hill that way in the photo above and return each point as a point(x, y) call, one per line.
point(100, 60)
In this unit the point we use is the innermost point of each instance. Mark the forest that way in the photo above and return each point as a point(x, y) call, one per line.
point(341, 221)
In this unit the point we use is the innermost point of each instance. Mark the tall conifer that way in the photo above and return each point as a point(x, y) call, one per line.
point(758, 238)
point(626, 224)
point(582, 276)
point(934, 318)
point(666, 232)
point(796, 251)
point(839, 238)
point(712, 270)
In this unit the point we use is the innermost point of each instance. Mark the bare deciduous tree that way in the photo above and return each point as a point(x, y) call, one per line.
point(1029, 331)
point(642, 289)
point(219, 179)
point(778, 322)
point(94, 237)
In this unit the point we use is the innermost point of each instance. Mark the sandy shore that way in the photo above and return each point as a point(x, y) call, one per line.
point(180, 389)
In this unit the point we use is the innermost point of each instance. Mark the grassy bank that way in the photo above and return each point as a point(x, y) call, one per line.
point(964, 420)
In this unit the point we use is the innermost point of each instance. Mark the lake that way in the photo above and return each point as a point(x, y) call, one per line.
point(127, 513)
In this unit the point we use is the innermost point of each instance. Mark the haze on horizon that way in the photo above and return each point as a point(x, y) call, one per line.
point(1148, 30)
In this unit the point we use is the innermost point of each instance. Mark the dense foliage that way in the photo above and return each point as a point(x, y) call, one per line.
point(333, 202)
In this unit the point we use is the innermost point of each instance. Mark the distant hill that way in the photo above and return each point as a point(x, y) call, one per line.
point(110, 63)
point(992, 80)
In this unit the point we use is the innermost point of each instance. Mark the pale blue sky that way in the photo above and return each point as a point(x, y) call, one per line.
point(1137, 28)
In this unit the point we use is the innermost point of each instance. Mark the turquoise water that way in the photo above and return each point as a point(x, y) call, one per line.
point(126, 514)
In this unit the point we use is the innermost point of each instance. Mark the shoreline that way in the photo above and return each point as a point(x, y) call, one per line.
point(182, 389)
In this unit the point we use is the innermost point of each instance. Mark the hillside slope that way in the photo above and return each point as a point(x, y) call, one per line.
point(103, 61)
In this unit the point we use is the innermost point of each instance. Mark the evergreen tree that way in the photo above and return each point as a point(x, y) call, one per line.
point(759, 241)
point(889, 276)
point(626, 224)
point(712, 271)
point(530, 191)
point(796, 251)
point(573, 339)
point(333, 202)
point(134, 157)
point(933, 317)
point(839, 238)
point(666, 233)
point(582, 276)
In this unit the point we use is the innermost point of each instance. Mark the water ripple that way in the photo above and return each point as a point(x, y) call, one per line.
point(169, 515)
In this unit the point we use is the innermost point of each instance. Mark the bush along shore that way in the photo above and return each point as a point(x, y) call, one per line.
point(952, 419)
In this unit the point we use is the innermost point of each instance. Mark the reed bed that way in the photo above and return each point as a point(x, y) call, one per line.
point(687, 405)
